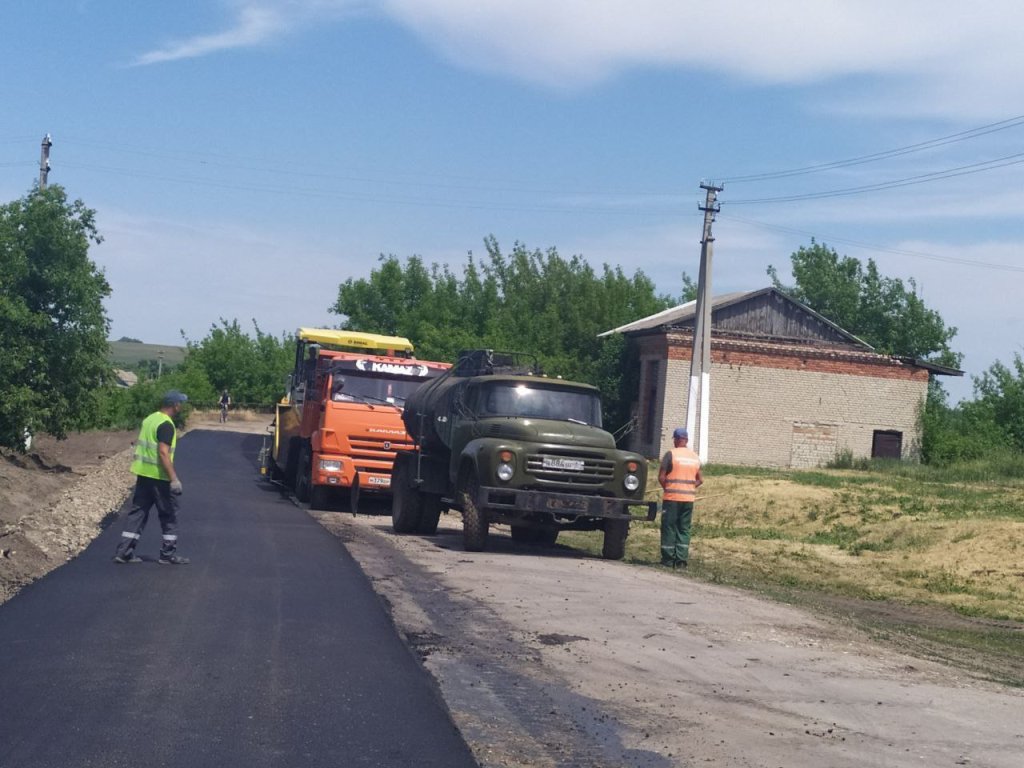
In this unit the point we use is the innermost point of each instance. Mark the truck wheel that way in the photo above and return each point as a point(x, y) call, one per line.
point(474, 520)
point(547, 537)
point(406, 503)
point(615, 533)
point(291, 464)
point(430, 515)
point(319, 497)
point(524, 534)
point(303, 479)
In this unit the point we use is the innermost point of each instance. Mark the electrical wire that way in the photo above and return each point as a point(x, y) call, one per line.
point(971, 133)
point(873, 247)
point(949, 173)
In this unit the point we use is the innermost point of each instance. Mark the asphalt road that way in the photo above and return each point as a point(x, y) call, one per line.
point(270, 649)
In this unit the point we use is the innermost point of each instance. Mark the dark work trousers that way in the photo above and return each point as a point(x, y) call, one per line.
point(147, 493)
point(676, 517)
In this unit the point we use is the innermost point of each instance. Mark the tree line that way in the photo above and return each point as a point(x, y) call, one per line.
point(55, 376)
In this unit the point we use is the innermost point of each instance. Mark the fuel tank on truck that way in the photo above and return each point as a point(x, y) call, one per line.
point(427, 415)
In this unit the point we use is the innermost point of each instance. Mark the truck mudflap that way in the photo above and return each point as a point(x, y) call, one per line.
point(564, 504)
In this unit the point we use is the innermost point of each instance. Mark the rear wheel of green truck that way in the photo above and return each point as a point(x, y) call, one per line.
point(547, 537)
point(474, 520)
point(430, 515)
point(524, 534)
point(615, 533)
point(406, 503)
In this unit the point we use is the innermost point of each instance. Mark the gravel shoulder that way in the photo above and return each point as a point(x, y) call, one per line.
point(547, 658)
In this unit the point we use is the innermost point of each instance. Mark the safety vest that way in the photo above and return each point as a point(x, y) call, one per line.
point(147, 448)
point(681, 481)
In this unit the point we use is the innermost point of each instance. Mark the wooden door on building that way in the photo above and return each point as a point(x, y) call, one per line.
point(887, 444)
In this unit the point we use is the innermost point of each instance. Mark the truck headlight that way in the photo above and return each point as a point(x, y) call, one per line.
point(505, 470)
point(632, 482)
point(330, 465)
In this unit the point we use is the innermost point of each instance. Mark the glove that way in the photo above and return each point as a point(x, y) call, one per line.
point(176, 487)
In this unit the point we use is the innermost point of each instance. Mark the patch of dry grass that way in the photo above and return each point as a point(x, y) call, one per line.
point(856, 534)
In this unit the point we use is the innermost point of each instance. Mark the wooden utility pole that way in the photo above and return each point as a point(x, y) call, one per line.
point(44, 161)
point(698, 402)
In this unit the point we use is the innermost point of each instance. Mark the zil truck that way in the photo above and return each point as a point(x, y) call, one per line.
point(502, 444)
point(338, 427)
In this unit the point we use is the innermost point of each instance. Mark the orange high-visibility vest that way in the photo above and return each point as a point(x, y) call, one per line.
point(681, 481)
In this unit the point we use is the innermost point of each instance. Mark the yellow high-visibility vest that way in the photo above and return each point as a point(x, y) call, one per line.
point(147, 447)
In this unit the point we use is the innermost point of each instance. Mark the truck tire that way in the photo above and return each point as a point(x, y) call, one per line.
point(524, 534)
point(291, 463)
point(547, 537)
point(430, 514)
point(319, 497)
point(303, 479)
point(406, 502)
point(615, 533)
point(474, 520)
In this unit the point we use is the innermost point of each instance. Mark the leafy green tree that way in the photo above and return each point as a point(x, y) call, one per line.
point(253, 369)
point(527, 300)
point(882, 311)
point(999, 398)
point(53, 326)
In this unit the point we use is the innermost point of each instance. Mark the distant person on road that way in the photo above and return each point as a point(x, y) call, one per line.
point(225, 403)
point(157, 483)
point(680, 476)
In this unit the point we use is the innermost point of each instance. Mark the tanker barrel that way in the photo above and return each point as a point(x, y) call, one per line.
point(423, 408)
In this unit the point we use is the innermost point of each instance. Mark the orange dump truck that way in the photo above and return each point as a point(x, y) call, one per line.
point(337, 429)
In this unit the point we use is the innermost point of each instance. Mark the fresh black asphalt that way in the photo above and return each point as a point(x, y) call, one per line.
point(270, 649)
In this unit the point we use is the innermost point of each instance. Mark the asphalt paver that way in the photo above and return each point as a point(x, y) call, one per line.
point(269, 649)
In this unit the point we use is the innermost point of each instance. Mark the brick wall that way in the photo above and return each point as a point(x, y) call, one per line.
point(790, 407)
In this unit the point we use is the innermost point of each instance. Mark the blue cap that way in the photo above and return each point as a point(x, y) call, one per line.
point(680, 432)
point(174, 397)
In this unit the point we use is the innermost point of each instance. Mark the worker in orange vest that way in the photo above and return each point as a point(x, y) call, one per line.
point(680, 476)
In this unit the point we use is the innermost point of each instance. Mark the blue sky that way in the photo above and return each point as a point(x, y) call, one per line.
point(245, 157)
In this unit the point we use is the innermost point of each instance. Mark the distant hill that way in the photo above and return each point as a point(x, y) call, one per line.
point(129, 353)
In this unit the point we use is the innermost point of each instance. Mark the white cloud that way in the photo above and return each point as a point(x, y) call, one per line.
point(932, 48)
point(254, 26)
point(919, 57)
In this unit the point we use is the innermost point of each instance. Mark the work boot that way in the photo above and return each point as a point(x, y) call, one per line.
point(173, 560)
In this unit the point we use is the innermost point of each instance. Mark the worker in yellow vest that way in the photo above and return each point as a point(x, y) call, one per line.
point(157, 483)
point(680, 476)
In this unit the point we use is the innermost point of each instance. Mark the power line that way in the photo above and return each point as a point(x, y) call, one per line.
point(879, 248)
point(924, 178)
point(971, 133)
point(361, 197)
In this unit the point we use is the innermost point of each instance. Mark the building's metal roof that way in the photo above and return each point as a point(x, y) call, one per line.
point(683, 315)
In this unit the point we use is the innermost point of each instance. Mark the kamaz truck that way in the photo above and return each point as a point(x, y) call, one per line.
point(338, 427)
point(501, 443)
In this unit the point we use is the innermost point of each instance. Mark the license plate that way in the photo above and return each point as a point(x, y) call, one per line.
point(568, 465)
point(375, 480)
point(575, 505)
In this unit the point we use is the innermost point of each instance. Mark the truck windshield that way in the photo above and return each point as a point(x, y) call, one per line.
point(356, 387)
point(539, 402)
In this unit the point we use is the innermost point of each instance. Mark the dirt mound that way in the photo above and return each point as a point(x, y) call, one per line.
point(54, 498)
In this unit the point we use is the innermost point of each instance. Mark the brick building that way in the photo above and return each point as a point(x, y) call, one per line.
point(789, 388)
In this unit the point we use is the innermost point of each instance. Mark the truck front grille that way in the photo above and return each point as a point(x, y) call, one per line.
point(596, 470)
point(369, 453)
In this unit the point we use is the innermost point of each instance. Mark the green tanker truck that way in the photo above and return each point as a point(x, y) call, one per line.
point(502, 444)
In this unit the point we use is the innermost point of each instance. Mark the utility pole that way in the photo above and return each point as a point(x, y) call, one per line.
point(698, 402)
point(44, 161)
